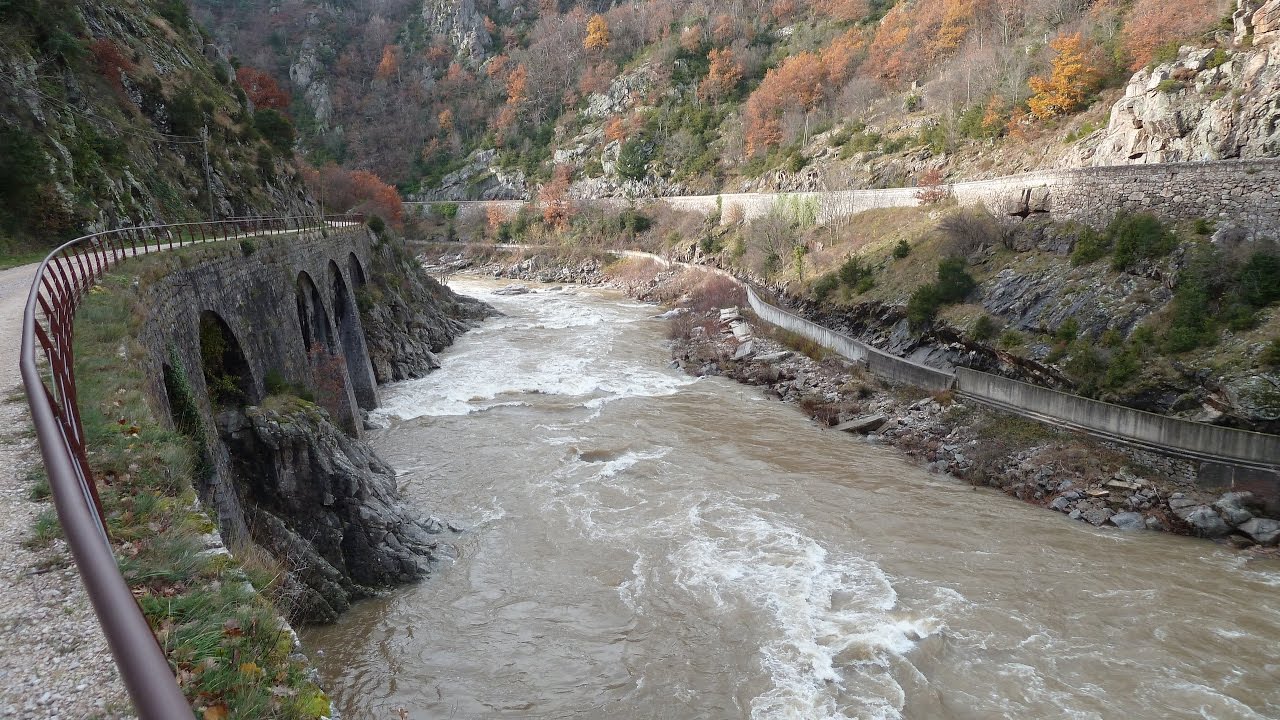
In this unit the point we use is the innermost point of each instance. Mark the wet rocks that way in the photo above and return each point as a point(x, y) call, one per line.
point(326, 504)
point(1263, 531)
point(409, 317)
point(1129, 521)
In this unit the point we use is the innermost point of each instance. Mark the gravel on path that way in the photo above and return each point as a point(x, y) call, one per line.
point(54, 661)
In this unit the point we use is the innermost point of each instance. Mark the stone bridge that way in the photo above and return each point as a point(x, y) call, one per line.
point(283, 310)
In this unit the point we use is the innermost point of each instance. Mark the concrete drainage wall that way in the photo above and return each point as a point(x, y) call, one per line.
point(1143, 427)
point(1148, 429)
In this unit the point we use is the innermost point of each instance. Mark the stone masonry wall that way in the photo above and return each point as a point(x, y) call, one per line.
point(1243, 192)
point(255, 294)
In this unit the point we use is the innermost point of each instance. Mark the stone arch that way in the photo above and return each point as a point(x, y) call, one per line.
point(227, 376)
point(357, 271)
point(346, 320)
point(312, 316)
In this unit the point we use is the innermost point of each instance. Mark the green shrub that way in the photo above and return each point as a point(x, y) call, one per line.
point(248, 247)
point(185, 116)
point(1271, 355)
point(1138, 237)
point(1010, 339)
point(1087, 367)
point(1259, 279)
point(923, 306)
point(634, 157)
point(446, 210)
point(1091, 247)
point(824, 286)
point(377, 224)
point(24, 170)
point(984, 328)
point(852, 271)
point(902, 249)
point(275, 129)
point(954, 283)
point(1171, 86)
point(1069, 330)
point(1203, 226)
point(1124, 367)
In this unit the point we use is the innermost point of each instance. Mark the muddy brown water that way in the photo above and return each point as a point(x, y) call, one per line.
point(641, 544)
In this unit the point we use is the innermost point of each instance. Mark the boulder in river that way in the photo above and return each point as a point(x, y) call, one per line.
point(1129, 521)
point(1263, 530)
point(1207, 522)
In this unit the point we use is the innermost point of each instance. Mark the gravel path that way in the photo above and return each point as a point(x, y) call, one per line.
point(54, 661)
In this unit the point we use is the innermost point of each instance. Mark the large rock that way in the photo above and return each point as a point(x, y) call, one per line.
point(325, 504)
point(1266, 23)
point(1129, 521)
point(1206, 522)
point(1264, 531)
point(1235, 507)
point(1197, 107)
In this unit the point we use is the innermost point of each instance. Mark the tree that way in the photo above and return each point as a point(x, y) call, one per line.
point(261, 89)
point(341, 190)
point(557, 211)
point(843, 10)
point(722, 77)
point(633, 158)
point(1070, 81)
point(1153, 24)
point(797, 83)
point(390, 63)
point(597, 33)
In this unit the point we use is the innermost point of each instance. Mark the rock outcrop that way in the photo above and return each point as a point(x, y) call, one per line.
point(408, 317)
point(325, 505)
point(1208, 104)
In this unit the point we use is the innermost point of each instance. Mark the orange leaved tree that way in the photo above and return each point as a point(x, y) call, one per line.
point(1071, 79)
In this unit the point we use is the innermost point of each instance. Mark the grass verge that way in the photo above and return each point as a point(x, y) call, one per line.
point(229, 649)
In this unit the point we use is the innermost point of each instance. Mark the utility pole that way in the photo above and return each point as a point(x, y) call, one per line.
point(208, 177)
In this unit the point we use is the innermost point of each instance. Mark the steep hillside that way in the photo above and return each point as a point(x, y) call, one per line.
point(455, 99)
point(101, 117)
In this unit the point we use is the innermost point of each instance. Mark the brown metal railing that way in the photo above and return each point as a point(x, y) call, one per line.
point(61, 282)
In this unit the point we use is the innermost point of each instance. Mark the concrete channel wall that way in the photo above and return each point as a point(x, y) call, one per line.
point(1143, 427)
point(1157, 431)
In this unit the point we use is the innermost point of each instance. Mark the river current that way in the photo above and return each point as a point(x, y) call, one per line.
point(642, 544)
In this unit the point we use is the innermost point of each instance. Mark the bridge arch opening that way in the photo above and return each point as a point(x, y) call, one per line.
point(312, 317)
point(347, 323)
point(357, 271)
point(227, 376)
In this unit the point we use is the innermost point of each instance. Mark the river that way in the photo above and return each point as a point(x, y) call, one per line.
point(643, 544)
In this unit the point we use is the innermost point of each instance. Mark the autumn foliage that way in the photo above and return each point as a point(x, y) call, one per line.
point(111, 62)
point(553, 197)
point(1152, 24)
point(1071, 79)
point(597, 33)
point(261, 89)
point(341, 190)
point(722, 77)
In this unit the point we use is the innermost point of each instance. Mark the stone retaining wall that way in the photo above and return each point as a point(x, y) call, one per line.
point(1243, 192)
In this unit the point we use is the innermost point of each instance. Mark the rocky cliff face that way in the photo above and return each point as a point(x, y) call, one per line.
point(101, 109)
point(325, 505)
point(408, 317)
point(1208, 104)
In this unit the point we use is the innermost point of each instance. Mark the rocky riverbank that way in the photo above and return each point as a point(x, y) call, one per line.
point(1085, 478)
